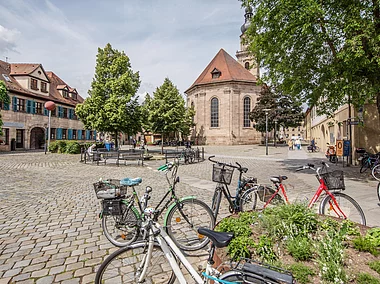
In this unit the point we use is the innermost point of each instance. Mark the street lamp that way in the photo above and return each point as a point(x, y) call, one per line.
point(49, 105)
point(275, 129)
point(266, 130)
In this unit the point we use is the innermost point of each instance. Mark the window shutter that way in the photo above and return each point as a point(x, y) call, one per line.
point(79, 134)
point(6, 106)
point(46, 112)
point(59, 133)
point(70, 134)
point(14, 102)
point(94, 135)
point(60, 111)
point(88, 135)
point(33, 107)
point(29, 106)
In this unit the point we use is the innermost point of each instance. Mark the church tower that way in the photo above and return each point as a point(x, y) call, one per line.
point(244, 57)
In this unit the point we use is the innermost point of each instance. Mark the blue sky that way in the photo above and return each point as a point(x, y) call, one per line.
point(171, 38)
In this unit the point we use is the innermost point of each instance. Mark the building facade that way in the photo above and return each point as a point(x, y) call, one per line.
point(25, 118)
point(223, 96)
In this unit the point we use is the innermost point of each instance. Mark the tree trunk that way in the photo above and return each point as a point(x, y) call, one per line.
point(116, 140)
point(162, 144)
point(378, 102)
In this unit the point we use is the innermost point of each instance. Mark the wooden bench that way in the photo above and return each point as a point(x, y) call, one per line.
point(131, 155)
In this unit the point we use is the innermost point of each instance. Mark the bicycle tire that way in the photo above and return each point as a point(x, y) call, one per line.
point(365, 166)
point(186, 235)
point(347, 204)
point(378, 191)
point(317, 149)
point(376, 172)
point(121, 230)
point(333, 159)
point(122, 266)
point(255, 198)
point(215, 203)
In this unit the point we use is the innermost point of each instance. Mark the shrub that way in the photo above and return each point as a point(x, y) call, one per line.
point(365, 244)
point(300, 248)
point(72, 147)
point(53, 147)
point(61, 146)
point(301, 273)
point(265, 250)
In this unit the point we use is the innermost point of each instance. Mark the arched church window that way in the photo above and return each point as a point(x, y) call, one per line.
point(214, 112)
point(247, 110)
point(246, 65)
point(192, 107)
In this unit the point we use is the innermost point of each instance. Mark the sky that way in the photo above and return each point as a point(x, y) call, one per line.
point(168, 38)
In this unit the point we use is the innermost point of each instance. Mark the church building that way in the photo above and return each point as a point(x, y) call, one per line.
point(223, 96)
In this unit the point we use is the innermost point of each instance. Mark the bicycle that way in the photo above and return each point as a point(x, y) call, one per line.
point(122, 219)
point(157, 259)
point(334, 203)
point(222, 175)
point(376, 172)
point(331, 154)
point(311, 149)
point(187, 155)
point(378, 192)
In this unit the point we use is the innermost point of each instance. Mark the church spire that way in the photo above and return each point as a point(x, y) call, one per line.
point(247, 16)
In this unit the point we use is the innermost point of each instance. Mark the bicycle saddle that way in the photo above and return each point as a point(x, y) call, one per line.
point(130, 181)
point(278, 179)
point(219, 239)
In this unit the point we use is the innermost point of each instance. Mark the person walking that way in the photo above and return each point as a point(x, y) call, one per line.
point(298, 144)
point(290, 144)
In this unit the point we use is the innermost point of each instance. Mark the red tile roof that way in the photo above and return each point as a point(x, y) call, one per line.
point(230, 69)
point(14, 86)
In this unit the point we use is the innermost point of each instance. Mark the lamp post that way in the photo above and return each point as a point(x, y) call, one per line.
point(266, 130)
point(275, 130)
point(49, 105)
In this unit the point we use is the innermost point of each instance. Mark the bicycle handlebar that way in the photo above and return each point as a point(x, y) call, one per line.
point(239, 167)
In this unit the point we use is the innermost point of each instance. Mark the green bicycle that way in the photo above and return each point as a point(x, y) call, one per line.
point(123, 215)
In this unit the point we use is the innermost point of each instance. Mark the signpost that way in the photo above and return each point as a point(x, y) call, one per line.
point(339, 148)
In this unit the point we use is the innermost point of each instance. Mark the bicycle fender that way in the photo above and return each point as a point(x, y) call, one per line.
point(173, 204)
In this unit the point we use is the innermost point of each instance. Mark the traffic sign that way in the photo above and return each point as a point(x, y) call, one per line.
point(354, 122)
point(339, 148)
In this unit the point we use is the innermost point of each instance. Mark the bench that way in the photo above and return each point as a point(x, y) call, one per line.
point(131, 155)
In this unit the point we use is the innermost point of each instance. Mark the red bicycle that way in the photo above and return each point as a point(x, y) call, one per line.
point(334, 203)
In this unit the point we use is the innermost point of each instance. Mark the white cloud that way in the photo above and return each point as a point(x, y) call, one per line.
point(8, 39)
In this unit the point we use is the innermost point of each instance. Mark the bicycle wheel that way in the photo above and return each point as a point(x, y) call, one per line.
point(376, 172)
point(317, 149)
point(256, 198)
point(122, 266)
point(215, 203)
point(184, 219)
point(121, 230)
point(333, 159)
point(365, 166)
point(347, 205)
point(378, 191)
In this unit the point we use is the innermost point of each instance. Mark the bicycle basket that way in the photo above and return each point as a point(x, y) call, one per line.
point(334, 180)
point(222, 174)
point(110, 188)
point(111, 207)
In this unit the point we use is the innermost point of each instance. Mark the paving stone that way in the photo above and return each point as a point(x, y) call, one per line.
point(74, 266)
point(56, 262)
point(45, 280)
point(34, 267)
point(21, 277)
point(44, 258)
point(83, 271)
point(22, 263)
point(57, 270)
point(64, 276)
point(12, 272)
point(5, 280)
point(40, 273)
point(71, 259)
point(71, 281)
point(90, 278)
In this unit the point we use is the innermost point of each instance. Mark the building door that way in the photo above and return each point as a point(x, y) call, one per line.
point(19, 138)
point(37, 140)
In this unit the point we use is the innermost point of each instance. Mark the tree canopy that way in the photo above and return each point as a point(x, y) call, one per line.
point(112, 104)
point(284, 108)
point(323, 52)
point(165, 112)
point(4, 98)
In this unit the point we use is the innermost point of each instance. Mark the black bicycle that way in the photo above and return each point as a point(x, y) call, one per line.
point(123, 215)
point(222, 174)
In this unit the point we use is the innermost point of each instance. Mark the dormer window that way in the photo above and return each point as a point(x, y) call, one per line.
point(216, 73)
point(43, 87)
point(33, 84)
point(7, 78)
point(65, 93)
point(74, 96)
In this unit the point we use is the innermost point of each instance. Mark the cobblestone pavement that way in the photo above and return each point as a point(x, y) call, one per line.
point(49, 226)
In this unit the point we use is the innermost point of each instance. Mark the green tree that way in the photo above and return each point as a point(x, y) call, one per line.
point(112, 104)
point(166, 111)
point(284, 108)
point(326, 53)
point(4, 98)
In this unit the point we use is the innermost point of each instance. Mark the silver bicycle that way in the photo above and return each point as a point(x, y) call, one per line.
point(157, 259)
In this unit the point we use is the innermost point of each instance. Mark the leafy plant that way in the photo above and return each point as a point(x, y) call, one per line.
point(300, 248)
point(365, 278)
point(72, 147)
point(301, 273)
point(53, 147)
point(265, 250)
point(375, 265)
point(240, 247)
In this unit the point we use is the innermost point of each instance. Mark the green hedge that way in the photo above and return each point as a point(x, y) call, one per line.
point(70, 146)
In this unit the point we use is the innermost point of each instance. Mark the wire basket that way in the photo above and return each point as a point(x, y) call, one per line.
point(111, 207)
point(334, 180)
point(222, 174)
point(111, 188)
